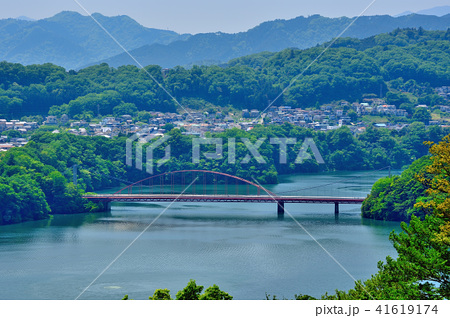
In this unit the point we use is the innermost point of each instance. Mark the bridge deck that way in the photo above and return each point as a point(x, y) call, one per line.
point(220, 198)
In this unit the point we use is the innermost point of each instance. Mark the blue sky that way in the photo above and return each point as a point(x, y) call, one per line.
point(196, 16)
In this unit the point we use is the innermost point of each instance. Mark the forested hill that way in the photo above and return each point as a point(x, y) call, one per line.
point(35, 180)
point(72, 40)
point(413, 60)
point(273, 36)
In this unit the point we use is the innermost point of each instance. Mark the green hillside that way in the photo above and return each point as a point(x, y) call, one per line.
point(405, 64)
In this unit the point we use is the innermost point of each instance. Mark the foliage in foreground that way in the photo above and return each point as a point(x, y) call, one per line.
point(420, 272)
point(438, 187)
point(422, 268)
point(191, 292)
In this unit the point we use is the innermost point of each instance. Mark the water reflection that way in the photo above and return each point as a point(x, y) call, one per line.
point(24, 233)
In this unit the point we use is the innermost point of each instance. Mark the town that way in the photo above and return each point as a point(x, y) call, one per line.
point(357, 116)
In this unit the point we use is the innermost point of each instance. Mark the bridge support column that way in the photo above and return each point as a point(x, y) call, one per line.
point(280, 209)
point(106, 206)
point(336, 208)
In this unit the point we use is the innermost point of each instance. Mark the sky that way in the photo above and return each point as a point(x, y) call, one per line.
point(199, 16)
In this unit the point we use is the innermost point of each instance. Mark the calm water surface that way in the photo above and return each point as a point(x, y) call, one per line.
point(242, 247)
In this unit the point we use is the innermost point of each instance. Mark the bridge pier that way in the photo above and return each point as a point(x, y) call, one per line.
point(106, 206)
point(336, 208)
point(280, 209)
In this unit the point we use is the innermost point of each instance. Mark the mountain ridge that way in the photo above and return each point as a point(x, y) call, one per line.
point(272, 36)
point(71, 40)
point(75, 41)
point(437, 11)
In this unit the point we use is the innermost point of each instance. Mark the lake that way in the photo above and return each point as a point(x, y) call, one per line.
point(241, 247)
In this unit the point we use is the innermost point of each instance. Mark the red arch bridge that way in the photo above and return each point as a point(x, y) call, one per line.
point(208, 186)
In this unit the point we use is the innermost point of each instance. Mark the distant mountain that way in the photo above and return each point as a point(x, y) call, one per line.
point(437, 11)
point(72, 40)
point(301, 32)
point(403, 13)
point(22, 17)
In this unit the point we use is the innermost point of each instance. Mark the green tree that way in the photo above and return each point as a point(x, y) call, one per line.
point(191, 292)
point(12, 134)
point(125, 109)
point(161, 294)
point(396, 99)
point(353, 115)
point(422, 114)
point(394, 198)
point(144, 116)
point(304, 297)
point(214, 293)
point(421, 270)
point(169, 126)
point(437, 181)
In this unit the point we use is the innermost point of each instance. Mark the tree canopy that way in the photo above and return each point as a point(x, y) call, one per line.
point(348, 70)
point(48, 159)
point(192, 291)
point(422, 268)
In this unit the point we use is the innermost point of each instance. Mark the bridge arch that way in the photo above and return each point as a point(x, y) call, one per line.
point(150, 181)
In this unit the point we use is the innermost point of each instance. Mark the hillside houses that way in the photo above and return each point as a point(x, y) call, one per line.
point(20, 126)
point(5, 145)
point(443, 91)
point(199, 123)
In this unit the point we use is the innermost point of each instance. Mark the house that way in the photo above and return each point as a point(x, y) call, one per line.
point(254, 113)
point(345, 120)
point(401, 113)
point(444, 109)
point(64, 119)
point(2, 124)
point(33, 125)
point(108, 120)
point(443, 91)
point(6, 147)
point(51, 120)
point(125, 118)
